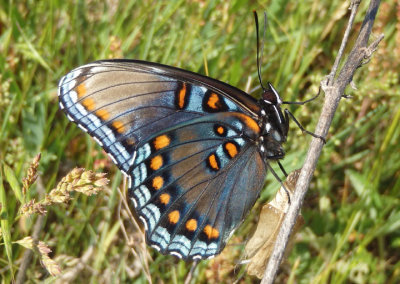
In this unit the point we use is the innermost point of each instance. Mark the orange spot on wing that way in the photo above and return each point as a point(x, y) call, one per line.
point(156, 163)
point(161, 142)
point(213, 162)
point(251, 123)
point(88, 104)
point(119, 126)
point(164, 199)
point(211, 232)
point(80, 90)
point(158, 182)
point(220, 130)
point(191, 225)
point(181, 96)
point(232, 149)
point(103, 114)
point(213, 101)
point(173, 217)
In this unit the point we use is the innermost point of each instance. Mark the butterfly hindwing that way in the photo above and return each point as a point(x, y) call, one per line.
point(188, 183)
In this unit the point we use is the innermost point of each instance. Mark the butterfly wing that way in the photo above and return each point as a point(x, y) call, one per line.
point(187, 143)
point(121, 102)
point(193, 184)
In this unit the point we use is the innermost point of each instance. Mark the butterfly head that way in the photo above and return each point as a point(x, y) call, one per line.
point(274, 124)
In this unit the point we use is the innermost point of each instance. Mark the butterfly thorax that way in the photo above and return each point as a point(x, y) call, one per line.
point(274, 125)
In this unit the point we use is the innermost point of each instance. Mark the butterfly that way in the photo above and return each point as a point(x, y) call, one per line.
point(195, 150)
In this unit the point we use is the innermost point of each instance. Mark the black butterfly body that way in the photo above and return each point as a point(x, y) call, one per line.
point(195, 150)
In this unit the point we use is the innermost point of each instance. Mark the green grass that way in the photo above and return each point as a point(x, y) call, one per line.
point(352, 211)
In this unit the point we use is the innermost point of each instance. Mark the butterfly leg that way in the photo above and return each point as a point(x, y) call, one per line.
point(288, 113)
point(282, 169)
point(279, 180)
point(304, 102)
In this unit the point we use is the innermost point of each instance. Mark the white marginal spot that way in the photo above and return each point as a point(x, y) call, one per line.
point(60, 83)
point(129, 181)
point(156, 247)
point(197, 257)
point(125, 174)
point(61, 105)
point(263, 112)
point(134, 202)
point(262, 149)
point(98, 141)
point(70, 117)
point(82, 127)
point(112, 158)
point(146, 228)
point(177, 254)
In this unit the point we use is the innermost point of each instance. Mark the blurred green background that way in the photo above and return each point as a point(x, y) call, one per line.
point(352, 211)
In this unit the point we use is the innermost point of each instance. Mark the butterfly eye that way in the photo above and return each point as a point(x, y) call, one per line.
point(269, 97)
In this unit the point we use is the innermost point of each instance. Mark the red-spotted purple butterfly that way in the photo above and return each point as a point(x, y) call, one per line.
point(195, 150)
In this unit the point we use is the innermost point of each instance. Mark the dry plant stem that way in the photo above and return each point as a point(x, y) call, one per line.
point(354, 8)
point(27, 257)
point(334, 89)
point(143, 258)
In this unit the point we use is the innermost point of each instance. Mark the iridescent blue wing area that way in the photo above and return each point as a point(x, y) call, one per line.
point(187, 143)
point(193, 184)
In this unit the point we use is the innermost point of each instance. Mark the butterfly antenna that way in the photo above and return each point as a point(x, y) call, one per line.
point(263, 42)
point(258, 50)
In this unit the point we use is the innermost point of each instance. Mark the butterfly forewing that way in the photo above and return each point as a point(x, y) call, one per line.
point(120, 103)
